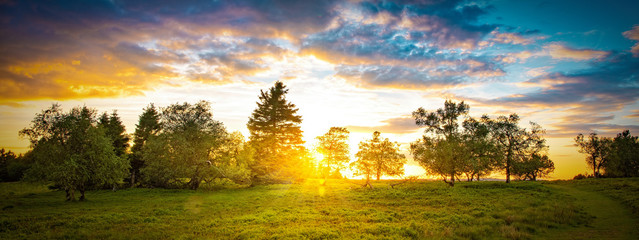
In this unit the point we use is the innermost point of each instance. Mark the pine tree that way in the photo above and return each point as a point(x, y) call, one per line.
point(148, 125)
point(276, 136)
point(114, 130)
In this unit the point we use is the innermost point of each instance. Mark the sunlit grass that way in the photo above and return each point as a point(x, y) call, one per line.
point(339, 210)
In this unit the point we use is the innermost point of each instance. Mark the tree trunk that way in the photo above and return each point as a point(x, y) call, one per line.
point(378, 176)
point(133, 178)
point(71, 194)
point(82, 193)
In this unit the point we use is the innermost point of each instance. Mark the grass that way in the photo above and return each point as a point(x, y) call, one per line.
point(339, 210)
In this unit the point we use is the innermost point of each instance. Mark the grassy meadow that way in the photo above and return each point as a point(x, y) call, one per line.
point(339, 210)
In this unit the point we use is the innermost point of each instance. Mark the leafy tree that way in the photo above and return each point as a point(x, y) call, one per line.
point(481, 148)
point(148, 126)
point(597, 150)
point(114, 129)
point(183, 149)
point(521, 148)
point(233, 159)
point(334, 146)
point(71, 151)
point(446, 152)
point(379, 157)
point(445, 156)
point(624, 156)
point(276, 137)
point(533, 167)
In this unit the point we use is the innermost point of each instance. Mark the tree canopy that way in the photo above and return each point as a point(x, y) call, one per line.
point(148, 125)
point(334, 147)
point(71, 151)
point(183, 148)
point(378, 157)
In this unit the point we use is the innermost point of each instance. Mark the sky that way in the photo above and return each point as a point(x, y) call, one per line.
point(570, 66)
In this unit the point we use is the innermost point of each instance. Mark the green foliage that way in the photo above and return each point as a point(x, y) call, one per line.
point(624, 156)
point(333, 146)
point(597, 150)
point(524, 150)
point(276, 137)
point(378, 157)
point(114, 130)
point(447, 153)
point(416, 210)
point(183, 148)
point(71, 151)
point(12, 167)
point(482, 146)
point(148, 125)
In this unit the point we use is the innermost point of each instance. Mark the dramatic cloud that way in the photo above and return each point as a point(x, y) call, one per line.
point(118, 48)
point(590, 95)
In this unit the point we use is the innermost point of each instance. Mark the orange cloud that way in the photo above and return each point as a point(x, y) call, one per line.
point(558, 51)
point(634, 35)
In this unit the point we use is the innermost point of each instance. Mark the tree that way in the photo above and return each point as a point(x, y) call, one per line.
point(183, 149)
point(533, 167)
point(445, 153)
point(71, 151)
point(333, 146)
point(276, 137)
point(233, 158)
point(511, 140)
point(481, 148)
point(597, 150)
point(378, 157)
point(148, 126)
point(533, 161)
point(114, 130)
point(6, 158)
point(624, 156)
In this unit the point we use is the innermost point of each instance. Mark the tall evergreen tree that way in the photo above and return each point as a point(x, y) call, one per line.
point(276, 137)
point(148, 125)
point(114, 130)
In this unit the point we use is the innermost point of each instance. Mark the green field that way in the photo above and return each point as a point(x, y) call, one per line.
point(585, 209)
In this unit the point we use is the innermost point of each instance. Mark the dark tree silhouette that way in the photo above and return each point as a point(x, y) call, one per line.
point(624, 156)
point(597, 150)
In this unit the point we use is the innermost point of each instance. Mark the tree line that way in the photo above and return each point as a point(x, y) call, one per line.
point(183, 146)
point(610, 157)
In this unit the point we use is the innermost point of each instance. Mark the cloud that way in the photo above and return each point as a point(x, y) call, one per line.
point(399, 125)
point(635, 114)
point(559, 51)
point(79, 49)
point(590, 96)
point(511, 38)
point(633, 34)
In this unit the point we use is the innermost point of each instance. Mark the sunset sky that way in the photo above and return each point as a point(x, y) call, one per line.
point(571, 66)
